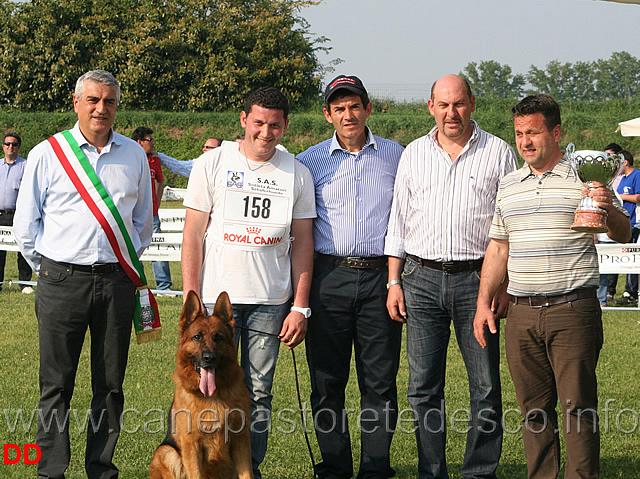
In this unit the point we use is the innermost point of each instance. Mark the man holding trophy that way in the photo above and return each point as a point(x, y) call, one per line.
point(546, 250)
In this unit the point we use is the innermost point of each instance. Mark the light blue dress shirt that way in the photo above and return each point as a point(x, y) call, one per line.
point(354, 192)
point(10, 178)
point(53, 220)
point(182, 168)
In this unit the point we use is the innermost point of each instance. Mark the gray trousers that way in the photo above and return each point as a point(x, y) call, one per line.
point(68, 301)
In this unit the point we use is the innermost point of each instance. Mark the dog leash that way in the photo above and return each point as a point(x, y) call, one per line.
point(295, 371)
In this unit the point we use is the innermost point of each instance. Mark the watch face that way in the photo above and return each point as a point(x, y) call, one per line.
point(306, 312)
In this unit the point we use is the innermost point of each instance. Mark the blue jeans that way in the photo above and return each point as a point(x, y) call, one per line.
point(631, 285)
point(258, 357)
point(161, 271)
point(603, 287)
point(434, 299)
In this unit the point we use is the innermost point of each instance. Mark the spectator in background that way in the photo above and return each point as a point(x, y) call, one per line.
point(183, 168)
point(11, 171)
point(142, 135)
point(612, 279)
point(629, 191)
point(211, 143)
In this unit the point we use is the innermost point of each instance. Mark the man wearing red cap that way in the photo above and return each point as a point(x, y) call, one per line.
point(353, 174)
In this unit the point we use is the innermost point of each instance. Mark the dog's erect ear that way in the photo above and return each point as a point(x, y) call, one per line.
point(190, 311)
point(223, 308)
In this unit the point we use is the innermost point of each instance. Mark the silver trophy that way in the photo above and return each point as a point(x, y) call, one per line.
point(590, 166)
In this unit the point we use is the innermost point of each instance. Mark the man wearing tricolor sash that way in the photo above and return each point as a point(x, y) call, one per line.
point(85, 218)
point(248, 231)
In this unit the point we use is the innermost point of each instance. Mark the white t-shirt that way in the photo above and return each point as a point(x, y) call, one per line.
point(250, 206)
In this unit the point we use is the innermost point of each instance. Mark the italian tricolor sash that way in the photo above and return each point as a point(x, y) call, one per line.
point(146, 320)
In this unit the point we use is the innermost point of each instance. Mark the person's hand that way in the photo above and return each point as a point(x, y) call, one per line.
point(395, 304)
point(294, 329)
point(484, 317)
point(601, 195)
point(500, 301)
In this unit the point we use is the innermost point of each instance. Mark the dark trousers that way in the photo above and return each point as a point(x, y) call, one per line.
point(552, 354)
point(24, 270)
point(67, 302)
point(349, 310)
point(631, 285)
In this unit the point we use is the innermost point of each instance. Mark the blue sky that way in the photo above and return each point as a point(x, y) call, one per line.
point(391, 44)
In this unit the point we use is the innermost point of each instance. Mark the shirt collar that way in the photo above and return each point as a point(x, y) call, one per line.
point(17, 160)
point(335, 144)
point(82, 141)
point(562, 169)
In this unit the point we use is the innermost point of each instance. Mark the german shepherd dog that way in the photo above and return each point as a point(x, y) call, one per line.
point(209, 419)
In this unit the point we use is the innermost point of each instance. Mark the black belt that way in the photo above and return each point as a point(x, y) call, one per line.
point(97, 268)
point(545, 301)
point(7, 212)
point(448, 266)
point(372, 262)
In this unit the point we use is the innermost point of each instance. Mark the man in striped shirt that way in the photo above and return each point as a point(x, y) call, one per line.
point(442, 207)
point(553, 334)
point(353, 173)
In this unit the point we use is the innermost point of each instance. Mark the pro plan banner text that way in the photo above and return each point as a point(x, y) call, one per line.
point(619, 258)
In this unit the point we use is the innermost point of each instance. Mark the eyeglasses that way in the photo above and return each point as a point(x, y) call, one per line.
point(9, 143)
point(147, 139)
point(207, 147)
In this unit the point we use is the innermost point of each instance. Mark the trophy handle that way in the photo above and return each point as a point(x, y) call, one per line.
point(569, 152)
point(570, 149)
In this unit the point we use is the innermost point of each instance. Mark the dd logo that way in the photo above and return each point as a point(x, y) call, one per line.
point(20, 454)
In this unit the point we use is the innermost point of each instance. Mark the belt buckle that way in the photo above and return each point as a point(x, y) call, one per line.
point(354, 261)
point(448, 266)
point(543, 305)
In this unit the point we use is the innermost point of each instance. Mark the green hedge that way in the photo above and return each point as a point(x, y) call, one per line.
point(181, 135)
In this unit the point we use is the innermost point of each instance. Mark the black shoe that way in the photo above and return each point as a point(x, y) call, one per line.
point(626, 301)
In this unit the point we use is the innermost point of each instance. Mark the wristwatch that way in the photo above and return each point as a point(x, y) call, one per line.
point(306, 312)
point(394, 282)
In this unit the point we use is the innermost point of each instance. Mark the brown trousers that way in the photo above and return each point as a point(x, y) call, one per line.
point(552, 353)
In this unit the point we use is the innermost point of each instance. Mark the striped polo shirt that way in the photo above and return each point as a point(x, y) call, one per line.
point(353, 194)
point(535, 214)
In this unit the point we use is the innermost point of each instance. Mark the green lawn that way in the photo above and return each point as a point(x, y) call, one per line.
point(149, 389)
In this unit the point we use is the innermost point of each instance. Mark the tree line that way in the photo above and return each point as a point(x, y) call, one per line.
point(167, 54)
point(615, 78)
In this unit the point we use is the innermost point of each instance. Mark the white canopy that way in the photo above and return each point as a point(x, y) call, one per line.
point(637, 2)
point(630, 127)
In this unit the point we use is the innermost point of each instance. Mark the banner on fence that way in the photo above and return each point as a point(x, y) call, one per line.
point(164, 246)
point(172, 220)
point(619, 258)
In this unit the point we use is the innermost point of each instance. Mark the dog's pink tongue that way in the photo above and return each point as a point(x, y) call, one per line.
point(207, 382)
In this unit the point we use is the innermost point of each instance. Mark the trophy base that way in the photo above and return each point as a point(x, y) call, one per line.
point(590, 221)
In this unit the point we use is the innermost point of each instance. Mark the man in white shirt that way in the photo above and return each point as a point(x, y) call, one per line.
point(248, 231)
point(444, 199)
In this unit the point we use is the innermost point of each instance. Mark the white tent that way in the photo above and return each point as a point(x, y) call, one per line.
point(637, 2)
point(630, 127)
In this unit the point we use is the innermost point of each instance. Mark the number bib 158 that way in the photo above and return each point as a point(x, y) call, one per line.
point(254, 219)
point(257, 206)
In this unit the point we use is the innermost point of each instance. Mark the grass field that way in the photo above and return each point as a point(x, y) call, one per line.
point(149, 389)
